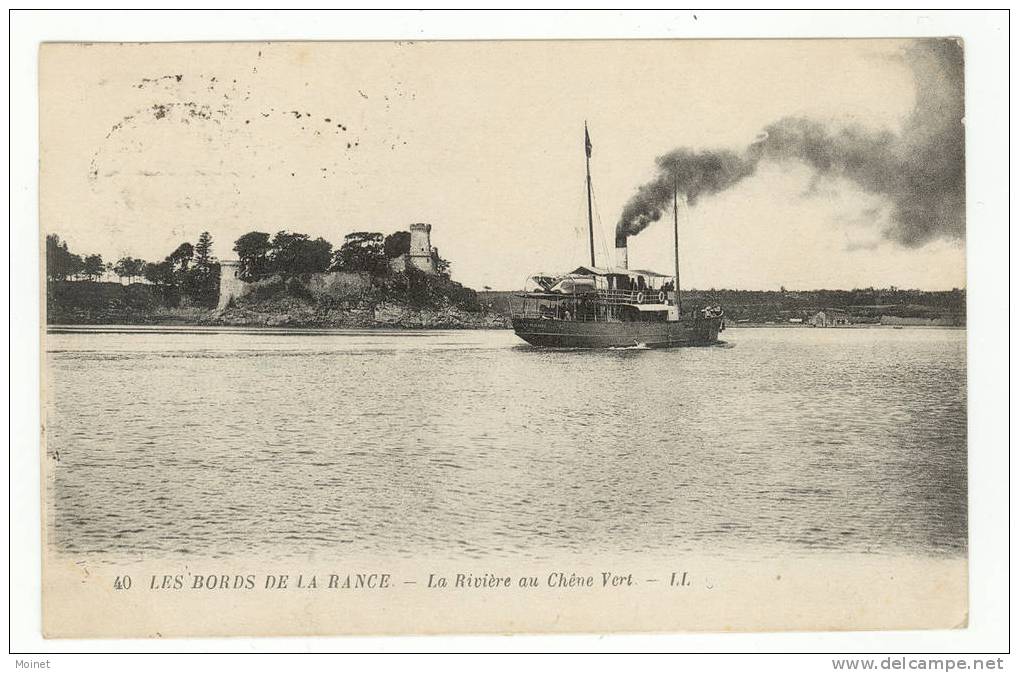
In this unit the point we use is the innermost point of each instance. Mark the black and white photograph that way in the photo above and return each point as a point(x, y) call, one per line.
point(391, 337)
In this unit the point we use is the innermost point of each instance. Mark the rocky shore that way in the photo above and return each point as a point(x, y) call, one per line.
point(82, 303)
point(385, 315)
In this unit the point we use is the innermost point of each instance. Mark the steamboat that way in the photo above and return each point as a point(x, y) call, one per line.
point(615, 306)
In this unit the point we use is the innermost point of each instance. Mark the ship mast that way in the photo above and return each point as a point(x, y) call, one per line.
point(675, 219)
point(590, 218)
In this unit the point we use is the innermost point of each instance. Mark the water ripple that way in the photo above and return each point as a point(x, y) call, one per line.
point(788, 441)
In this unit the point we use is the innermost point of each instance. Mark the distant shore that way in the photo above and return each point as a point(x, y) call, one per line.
point(339, 301)
point(185, 328)
point(486, 324)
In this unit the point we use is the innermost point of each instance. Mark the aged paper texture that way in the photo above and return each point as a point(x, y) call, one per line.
point(461, 337)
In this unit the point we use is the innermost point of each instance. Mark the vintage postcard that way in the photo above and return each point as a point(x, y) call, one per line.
point(503, 337)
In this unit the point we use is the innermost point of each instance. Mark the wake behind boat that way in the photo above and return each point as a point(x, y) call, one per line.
point(611, 307)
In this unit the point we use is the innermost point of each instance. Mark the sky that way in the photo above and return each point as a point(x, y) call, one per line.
point(144, 146)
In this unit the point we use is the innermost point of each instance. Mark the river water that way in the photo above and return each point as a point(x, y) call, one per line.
point(233, 442)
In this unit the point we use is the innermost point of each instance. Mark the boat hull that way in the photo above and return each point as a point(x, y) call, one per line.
point(572, 334)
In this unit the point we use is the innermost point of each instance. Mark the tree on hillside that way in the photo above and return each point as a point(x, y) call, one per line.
point(76, 265)
point(93, 267)
point(61, 263)
point(362, 251)
point(121, 268)
point(129, 267)
point(295, 254)
point(253, 252)
point(441, 265)
point(396, 244)
point(203, 251)
point(137, 268)
point(189, 272)
point(159, 273)
point(200, 283)
point(180, 259)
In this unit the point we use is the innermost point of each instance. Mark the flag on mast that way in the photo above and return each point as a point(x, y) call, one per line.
point(587, 141)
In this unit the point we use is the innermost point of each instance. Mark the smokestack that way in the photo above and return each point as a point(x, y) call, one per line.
point(621, 257)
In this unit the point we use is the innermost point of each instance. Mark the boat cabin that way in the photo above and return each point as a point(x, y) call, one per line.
point(601, 294)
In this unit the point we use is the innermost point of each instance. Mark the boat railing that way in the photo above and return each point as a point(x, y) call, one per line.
point(562, 315)
point(645, 296)
point(612, 297)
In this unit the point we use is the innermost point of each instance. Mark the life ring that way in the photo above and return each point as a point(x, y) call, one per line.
point(640, 297)
point(661, 297)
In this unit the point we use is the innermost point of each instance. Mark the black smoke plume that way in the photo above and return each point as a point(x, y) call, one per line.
point(921, 171)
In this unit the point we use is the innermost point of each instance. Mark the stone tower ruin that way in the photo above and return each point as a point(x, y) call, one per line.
point(421, 247)
point(230, 286)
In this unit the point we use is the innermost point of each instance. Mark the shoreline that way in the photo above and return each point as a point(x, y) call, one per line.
point(841, 327)
point(337, 301)
point(380, 316)
point(97, 327)
point(127, 328)
point(141, 326)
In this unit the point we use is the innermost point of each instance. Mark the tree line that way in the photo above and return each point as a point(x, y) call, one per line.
point(857, 298)
point(290, 254)
point(189, 272)
point(62, 264)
